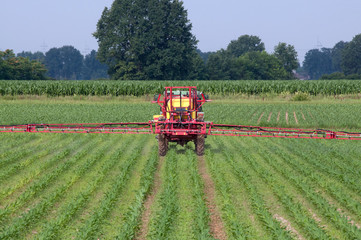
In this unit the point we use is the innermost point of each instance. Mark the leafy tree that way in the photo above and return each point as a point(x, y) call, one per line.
point(219, 65)
point(318, 62)
point(199, 71)
point(38, 56)
point(251, 65)
point(288, 57)
point(19, 68)
point(5, 68)
point(146, 39)
point(64, 63)
point(336, 55)
point(92, 68)
point(351, 57)
point(259, 66)
point(244, 44)
point(204, 55)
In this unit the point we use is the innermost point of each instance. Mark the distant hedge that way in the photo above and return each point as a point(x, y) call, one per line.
point(340, 75)
point(140, 88)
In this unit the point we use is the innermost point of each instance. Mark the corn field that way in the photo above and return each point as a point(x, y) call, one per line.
point(141, 88)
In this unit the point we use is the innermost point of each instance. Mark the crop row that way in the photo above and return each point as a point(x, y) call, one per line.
point(316, 192)
point(29, 173)
point(169, 205)
point(180, 210)
point(140, 88)
point(257, 202)
point(258, 182)
point(36, 154)
point(65, 214)
point(235, 226)
point(296, 209)
point(18, 225)
point(132, 216)
point(88, 154)
point(92, 226)
point(300, 177)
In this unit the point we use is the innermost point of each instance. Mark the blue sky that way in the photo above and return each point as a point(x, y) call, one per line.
point(42, 24)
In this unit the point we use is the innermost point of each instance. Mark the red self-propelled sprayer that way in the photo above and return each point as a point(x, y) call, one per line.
point(181, 120)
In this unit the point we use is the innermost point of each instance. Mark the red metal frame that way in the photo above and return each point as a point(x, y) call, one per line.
point(182, 129)
point(207, 128)
point(130, 128)
point(180, 126)
point(256, 131)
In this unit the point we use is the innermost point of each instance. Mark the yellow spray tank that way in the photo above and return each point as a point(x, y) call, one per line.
point(181, 104)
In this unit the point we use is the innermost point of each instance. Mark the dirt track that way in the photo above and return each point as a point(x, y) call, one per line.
point(143, 231)
point(216, 224)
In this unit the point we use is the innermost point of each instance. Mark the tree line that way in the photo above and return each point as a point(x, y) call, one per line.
point(246, 58)
point(58, 63)
point(152, 40)
point(68, 63)
point(343, 61)
point(12, 67)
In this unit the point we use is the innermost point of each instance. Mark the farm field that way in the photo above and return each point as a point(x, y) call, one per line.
point(317, 113)
point(84, 186)
point(140, 88)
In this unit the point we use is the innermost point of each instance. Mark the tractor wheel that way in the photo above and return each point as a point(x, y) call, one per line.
point(162, 145)
point(200, 145)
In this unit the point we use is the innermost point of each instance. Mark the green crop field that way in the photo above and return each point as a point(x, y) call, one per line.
point(140, 88)
point(109, 186)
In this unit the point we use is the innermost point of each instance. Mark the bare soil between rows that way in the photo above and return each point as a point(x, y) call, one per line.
point(216, 225)
point(143, 231)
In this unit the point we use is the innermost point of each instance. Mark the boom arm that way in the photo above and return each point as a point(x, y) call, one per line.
point(256, 131)
point(208, 127)
point(130, 128)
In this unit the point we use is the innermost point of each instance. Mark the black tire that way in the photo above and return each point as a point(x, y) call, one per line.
point(200, 145)
point(162, 145)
